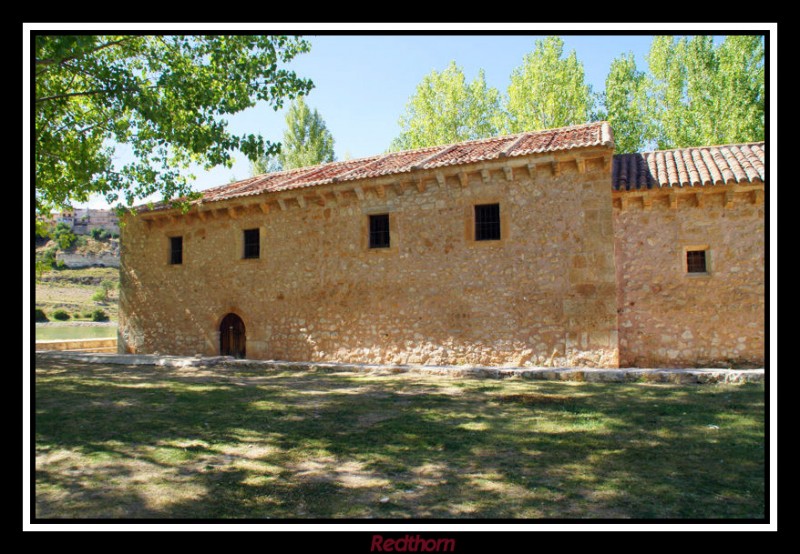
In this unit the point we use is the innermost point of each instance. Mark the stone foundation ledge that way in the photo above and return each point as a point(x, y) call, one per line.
point(85, 345)
point(590, 375)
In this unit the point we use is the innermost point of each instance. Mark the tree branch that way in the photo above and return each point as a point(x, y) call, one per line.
point(51, 61)
point(87, 93)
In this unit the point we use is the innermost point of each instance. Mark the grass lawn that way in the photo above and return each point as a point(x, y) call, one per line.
point(118, 441)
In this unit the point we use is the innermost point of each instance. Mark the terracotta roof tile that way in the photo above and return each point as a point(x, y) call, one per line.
point(694, 167)
point(578, 136)
point(400, 162)
point(564, 139)
point(470, 152)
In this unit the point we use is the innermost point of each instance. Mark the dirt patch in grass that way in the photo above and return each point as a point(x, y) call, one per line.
point(145, 442)
point(532, 398)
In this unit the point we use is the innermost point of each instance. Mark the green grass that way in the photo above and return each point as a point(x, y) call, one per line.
point(76, 332)
point(117, 441)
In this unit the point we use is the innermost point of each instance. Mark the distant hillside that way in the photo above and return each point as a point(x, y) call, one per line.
point(79, 279)
point(85, 251)
point(79, 292)
point(94, 253)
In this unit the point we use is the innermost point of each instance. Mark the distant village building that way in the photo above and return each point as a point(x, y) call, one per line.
point(536, 249)
point(83, 220)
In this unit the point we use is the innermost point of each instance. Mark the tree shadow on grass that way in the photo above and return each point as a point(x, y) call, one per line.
point(161, 443)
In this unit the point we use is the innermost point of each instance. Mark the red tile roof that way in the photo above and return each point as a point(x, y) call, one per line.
point(690, 167)
point(392, 163)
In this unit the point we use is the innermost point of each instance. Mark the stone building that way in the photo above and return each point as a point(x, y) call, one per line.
point(540, 248)
point(689, 241)
point(83, 220)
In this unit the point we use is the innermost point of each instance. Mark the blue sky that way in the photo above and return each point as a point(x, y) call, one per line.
point(362, 83)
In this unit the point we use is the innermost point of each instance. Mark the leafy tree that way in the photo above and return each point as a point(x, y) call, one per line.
point(264, 164)
point(164, 97)
point(705, 94)
point(98, 233)
point(46, 259)
point(626, 105)
point(672, 120)
point(101, 295)
point(741, 75)
point(99, 315)
point(64, 236)
point(446, 109)
point(61, 315)
point(306, 141)
point(548, 90)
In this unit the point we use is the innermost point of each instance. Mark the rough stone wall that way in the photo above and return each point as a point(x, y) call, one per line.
point(670, 318)
point(90, 259)
point(543, 295)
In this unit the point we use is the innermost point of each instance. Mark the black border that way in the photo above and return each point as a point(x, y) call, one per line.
point(478, 541)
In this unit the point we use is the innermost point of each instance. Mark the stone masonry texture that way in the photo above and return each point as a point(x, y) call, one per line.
point(585, 274)
point(545, 294)
point(671, 318)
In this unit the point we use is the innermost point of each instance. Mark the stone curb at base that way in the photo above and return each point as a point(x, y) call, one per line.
point(660, 375)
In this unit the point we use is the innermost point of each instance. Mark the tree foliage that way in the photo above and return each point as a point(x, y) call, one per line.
point(705, 94)
point(165, 97)
point(741, 71)
point(446, 109)
point(548, 90)
point(64, 236)
point(61, 315)
point(627, 105)
point(264, 164)
point(694, 93)
point(306, 141)
point(99, 315)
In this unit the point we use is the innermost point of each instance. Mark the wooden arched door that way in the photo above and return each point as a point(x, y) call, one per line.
point(232, 339)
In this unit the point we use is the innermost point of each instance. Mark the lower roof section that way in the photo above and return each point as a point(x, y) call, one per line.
point(690, 167)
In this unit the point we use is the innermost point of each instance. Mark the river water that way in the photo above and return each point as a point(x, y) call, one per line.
point(79, 330)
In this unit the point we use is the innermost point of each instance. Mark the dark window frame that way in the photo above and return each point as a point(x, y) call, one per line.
point(176, 250)
point(487, 222)
point(380, 232)
point(252, 244)
point(697, 261)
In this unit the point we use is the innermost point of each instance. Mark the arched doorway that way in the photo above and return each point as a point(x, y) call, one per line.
point(232, 336)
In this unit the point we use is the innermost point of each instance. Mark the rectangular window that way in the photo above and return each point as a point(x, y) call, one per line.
point(696, 261)
point(252, 244)
point(487, 222)
point(176, 250)
point(379, 231)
